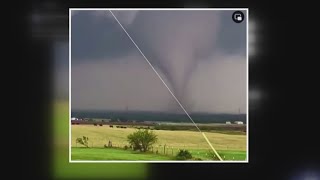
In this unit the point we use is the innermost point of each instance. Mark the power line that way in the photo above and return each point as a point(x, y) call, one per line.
point(166, 86)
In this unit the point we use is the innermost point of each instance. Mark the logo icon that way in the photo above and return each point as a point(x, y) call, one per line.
point(237, 16)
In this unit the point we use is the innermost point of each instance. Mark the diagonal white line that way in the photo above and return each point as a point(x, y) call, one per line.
point(167, 86)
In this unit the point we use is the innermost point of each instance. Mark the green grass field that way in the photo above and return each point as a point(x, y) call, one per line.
point(62, 169)
point(230, 147)
point(113, 154)
point(82, 153)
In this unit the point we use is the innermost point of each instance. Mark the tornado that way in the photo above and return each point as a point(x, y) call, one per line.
point(175, 41)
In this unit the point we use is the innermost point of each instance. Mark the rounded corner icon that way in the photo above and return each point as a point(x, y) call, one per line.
point(238, 16)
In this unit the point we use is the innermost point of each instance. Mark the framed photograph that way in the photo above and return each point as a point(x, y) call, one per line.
point(158, 85)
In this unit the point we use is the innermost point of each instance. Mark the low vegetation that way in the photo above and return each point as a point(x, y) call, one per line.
point(78, 153)
point(158, 142)
point(212, 155)
point(183, 155)
point(142, 140)
point(84, 141)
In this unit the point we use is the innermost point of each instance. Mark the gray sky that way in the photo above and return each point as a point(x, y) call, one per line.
point(199, 54)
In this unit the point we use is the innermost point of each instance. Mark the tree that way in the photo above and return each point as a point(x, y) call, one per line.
point(142, 140)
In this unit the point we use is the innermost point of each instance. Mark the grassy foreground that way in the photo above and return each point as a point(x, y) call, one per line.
point(229, 147)
point(100, 135)
point(113, 154)
point(62, 169)
point(91, 154)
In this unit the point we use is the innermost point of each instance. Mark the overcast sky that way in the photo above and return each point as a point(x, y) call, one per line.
point(201, 55)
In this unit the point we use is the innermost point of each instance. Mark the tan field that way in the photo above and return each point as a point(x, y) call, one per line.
point(100, 135)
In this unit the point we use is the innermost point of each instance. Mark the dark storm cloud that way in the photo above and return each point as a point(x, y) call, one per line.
point(232, 36)
point(109, 73)
point(176, 41)
point(95, 36)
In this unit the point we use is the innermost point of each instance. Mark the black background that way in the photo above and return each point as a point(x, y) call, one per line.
point(284, 138)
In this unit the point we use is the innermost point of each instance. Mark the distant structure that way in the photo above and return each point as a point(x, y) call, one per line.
point(228, 122)
point(74, 119)
point(238, 122)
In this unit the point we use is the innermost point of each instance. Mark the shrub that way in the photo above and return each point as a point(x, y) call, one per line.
point(84, 141)
point(125, 147)
point(100, 124)
point(183, 155)
point(212, 155)
point(142, 140)
point(109, 144)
